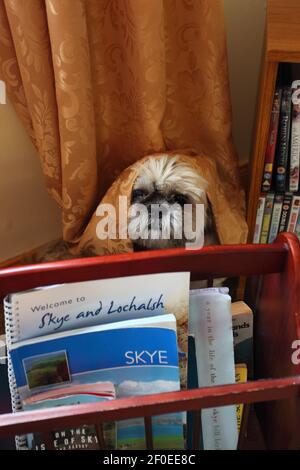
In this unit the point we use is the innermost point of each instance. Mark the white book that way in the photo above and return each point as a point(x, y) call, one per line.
point(276, 215)
point(295, 138)
point(259, 218)
point(294, 214)
point(211, 325)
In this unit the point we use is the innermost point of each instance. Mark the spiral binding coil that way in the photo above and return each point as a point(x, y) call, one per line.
point(12, 329)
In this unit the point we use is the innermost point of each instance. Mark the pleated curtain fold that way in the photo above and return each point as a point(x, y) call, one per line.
point(100, 83)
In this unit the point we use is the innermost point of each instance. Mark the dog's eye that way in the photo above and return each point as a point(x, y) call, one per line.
point(138, 193)
point(179, 199)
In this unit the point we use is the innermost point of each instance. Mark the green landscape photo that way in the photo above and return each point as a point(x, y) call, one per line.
point(47, 369)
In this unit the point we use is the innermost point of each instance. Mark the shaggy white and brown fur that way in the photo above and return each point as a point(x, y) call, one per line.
point(162, 181)
point(170, 184)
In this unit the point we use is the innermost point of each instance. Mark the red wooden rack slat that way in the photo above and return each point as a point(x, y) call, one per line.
point(209, 262)
point(150, 405)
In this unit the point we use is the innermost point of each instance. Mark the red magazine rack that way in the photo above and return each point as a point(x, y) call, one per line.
point(272, 291)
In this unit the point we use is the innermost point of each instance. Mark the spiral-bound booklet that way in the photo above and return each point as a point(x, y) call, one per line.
point(64, 307)
point(60, 308)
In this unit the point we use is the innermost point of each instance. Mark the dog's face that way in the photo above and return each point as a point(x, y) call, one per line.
point(170, 186)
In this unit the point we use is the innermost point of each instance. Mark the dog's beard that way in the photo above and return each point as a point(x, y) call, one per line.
point(167, 188)
point(160, 226)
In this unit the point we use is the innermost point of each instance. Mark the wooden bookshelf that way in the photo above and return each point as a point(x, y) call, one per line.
point(282, 45)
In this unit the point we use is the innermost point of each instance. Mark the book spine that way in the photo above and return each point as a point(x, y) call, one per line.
point(240, 376)
point(192, 383)
point(215, 365)
point(286, 207)
point(272, 140)
point(267, 218)
point(284, 139)
point(259, 218)
point(297, 231)
point(242, 327)
point(275, 220)
point(294, 212)
point(295, 138)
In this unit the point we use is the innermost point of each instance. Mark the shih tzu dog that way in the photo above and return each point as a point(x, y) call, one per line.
point(170, 185)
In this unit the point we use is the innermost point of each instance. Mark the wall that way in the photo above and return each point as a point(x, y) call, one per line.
point(245, 23)
point(28, 216)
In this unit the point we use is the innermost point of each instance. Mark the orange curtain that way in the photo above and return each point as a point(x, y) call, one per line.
point(100, 83)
